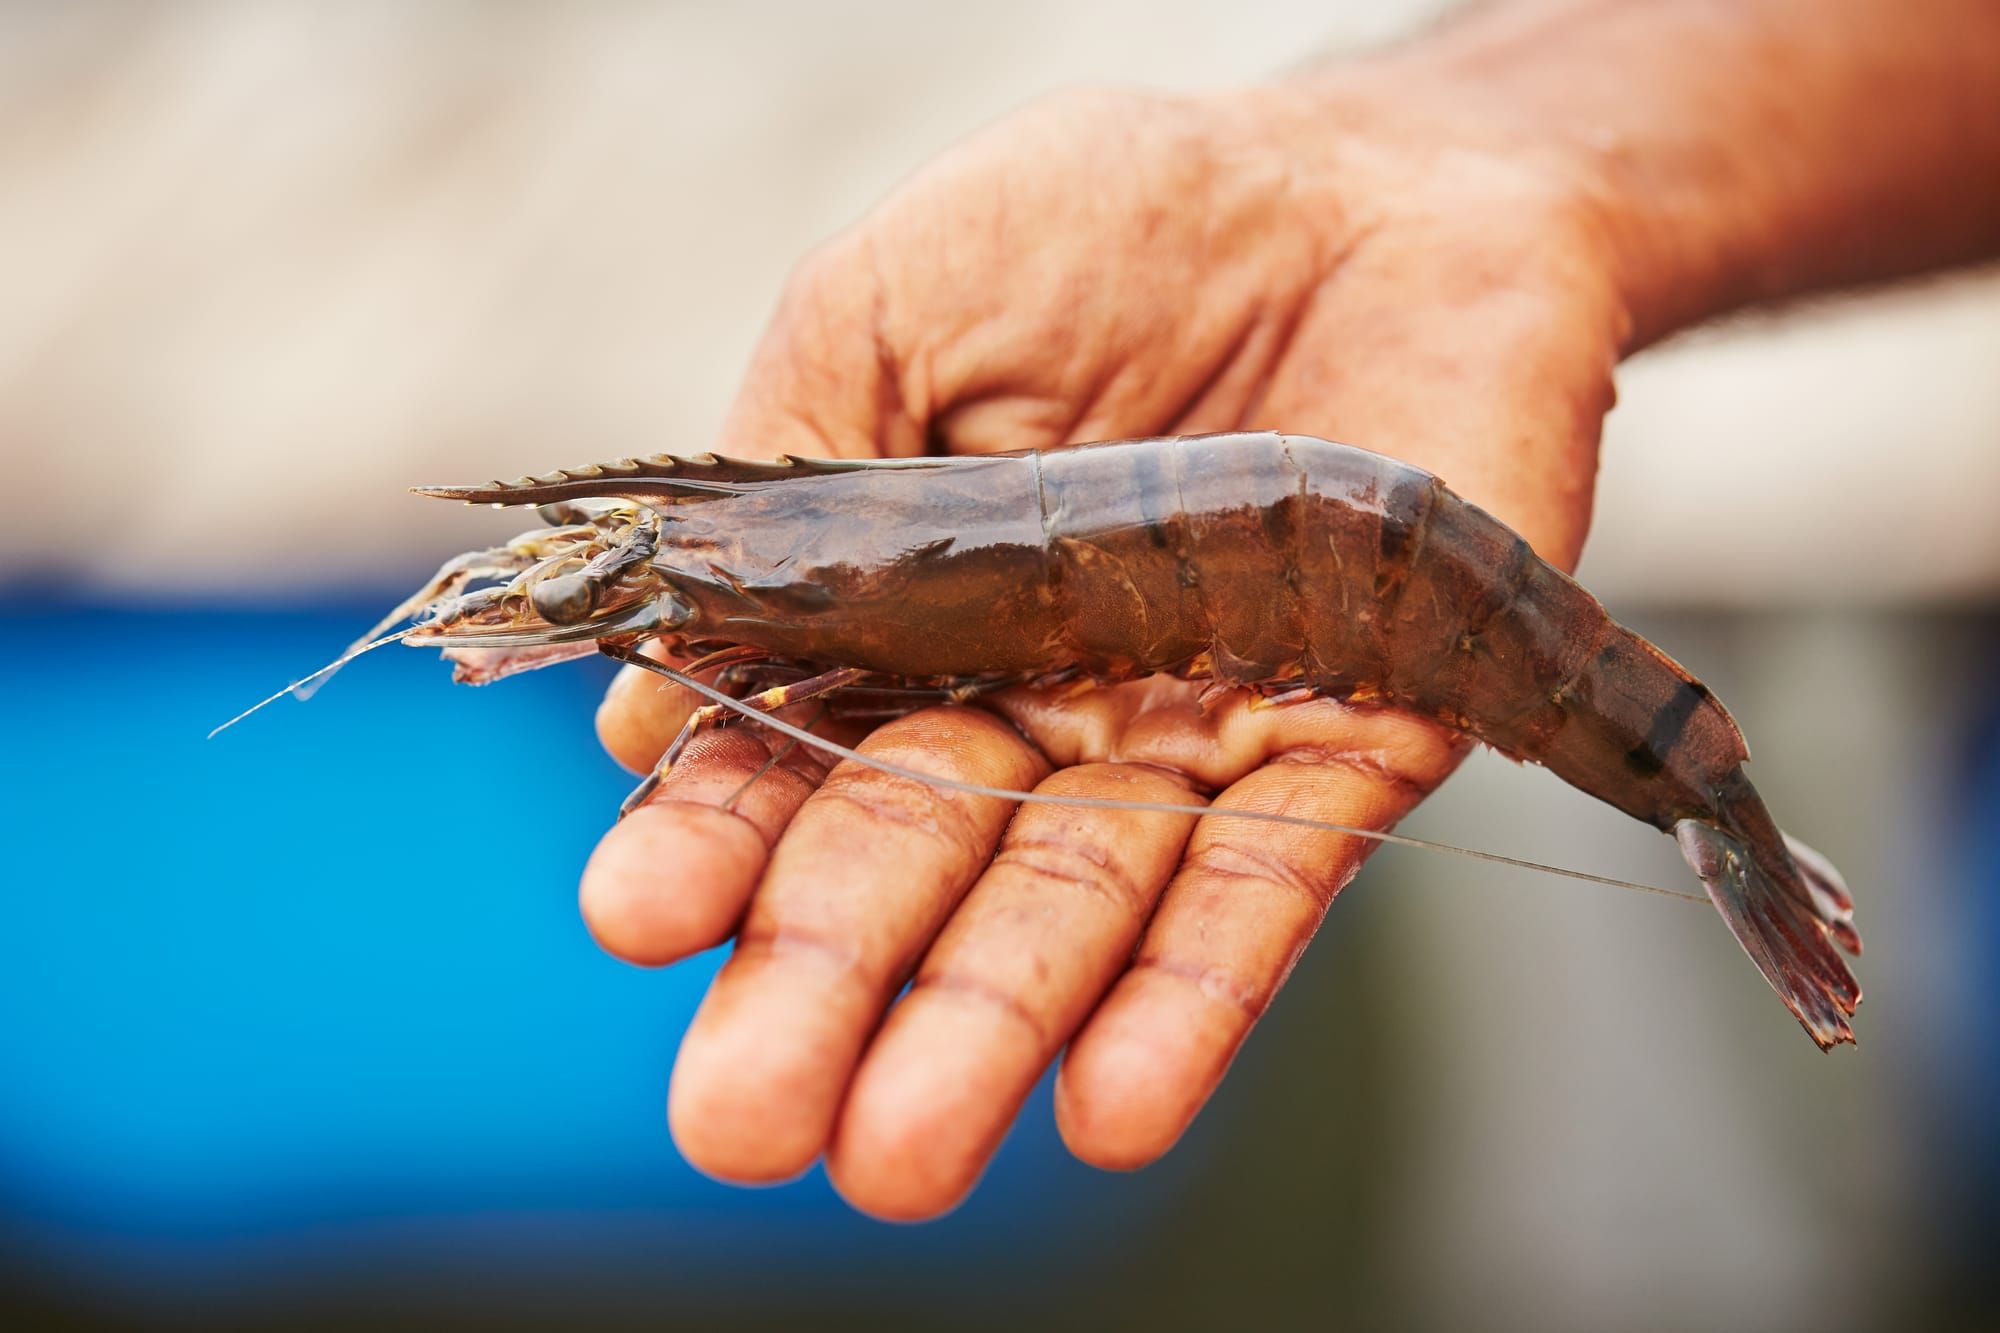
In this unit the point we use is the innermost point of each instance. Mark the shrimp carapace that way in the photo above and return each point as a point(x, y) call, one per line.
point(1283, 564)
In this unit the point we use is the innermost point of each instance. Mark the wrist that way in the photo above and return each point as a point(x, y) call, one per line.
point(1675, 236)
point(1724, 152)
point(1404, 141)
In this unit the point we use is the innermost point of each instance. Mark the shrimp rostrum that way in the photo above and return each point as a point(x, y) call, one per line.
point(1281, 564)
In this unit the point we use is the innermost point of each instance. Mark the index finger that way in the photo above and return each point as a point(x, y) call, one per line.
point(868, 871)
point(641, 713)
point(672, 878)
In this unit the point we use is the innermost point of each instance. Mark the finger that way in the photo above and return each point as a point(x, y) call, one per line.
point(1036, 942)
point(672, 878)
point(1231, 925)
point(642, 713)
point(861, 881)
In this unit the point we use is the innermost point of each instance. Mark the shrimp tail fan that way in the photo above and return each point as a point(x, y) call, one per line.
point(1787, 906)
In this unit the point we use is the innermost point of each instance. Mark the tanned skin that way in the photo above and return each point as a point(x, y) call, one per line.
point(1440, 253)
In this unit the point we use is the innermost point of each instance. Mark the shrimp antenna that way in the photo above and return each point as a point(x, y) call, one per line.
point(326, 670)
point(804, 737)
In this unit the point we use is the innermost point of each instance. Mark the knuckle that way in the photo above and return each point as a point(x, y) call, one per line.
point(1381, 767)
point(791, 942)
point(1215, 982)
point(1389, 739)
point(824, 274)
point(1073, 864)
point(890, 799)
point(1231, 857)
point(963, 743)
point(992, 996)
point(1139, 781)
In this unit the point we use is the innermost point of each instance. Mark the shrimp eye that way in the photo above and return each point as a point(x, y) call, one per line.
point(563, 600)
point(671, 611)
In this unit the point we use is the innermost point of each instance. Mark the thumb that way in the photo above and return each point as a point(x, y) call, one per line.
point(823, 381)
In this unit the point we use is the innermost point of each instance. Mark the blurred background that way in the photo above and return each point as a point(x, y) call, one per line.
point(299, 1027)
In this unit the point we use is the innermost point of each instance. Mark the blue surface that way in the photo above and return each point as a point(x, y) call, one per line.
point(325, 972)
point(1969, 1053)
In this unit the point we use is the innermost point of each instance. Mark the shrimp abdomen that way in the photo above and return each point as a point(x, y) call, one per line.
point(1491, 639)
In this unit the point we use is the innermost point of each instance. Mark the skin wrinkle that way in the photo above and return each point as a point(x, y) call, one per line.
point(1248, 341)
point(1281, 330)
point(892, 399)
point(717, 752)
point(964, 985)
point(1215, 984)
point(1328, 270)
point(805, 312)
point(985, 704)
point(868, 791)
point(1369, 764)
point(1228, 859)
point(1397, 731)
point(1180, 777)
point(828, 446)
point(663, 801)
point(802, 763)
point(778, 942)
point(1263, 339)
point(1124, 734)
point(1101, 381)
point(1105, 878)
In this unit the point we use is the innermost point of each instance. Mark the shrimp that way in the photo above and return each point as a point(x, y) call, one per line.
point(1286, 565)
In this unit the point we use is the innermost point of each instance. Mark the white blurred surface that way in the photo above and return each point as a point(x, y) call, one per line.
point(266, 264)
point(1843, 453)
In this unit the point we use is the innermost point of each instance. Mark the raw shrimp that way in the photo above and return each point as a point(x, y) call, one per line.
point(1286, 565)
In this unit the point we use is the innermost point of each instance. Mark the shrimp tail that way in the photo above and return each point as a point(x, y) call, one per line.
point(1786, 905)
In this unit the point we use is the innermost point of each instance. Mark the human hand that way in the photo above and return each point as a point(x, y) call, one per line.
point(1100, 266)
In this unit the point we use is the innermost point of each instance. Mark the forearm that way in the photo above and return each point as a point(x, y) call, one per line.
point(1736, 151)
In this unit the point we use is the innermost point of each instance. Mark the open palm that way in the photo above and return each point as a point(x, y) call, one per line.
point(1100, 266)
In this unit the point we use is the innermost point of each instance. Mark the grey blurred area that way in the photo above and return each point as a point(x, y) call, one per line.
point(266, 263)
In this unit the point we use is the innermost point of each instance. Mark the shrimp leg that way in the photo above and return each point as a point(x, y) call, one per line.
point(708, 715)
